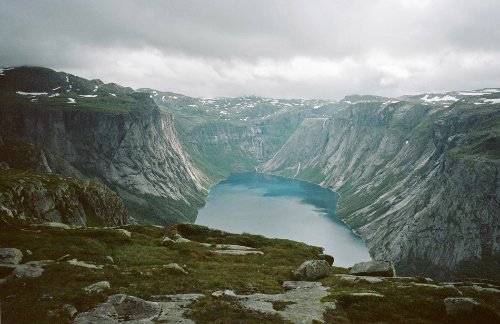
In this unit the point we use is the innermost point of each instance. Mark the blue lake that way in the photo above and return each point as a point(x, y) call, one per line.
point(282, 208)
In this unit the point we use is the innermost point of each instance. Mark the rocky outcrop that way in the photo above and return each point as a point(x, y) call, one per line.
point(53, 198)
point(124, 140)
point(418, 182)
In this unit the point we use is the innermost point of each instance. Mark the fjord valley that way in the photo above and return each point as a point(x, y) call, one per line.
point(113, 171)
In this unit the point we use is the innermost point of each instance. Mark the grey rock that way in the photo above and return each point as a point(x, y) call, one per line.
point(374, 268)
point(165, 241)
point(83, 264)
point(30, 269)
point(178, 297)
point(366, 294)
point(352, 278)
point(120, 307)
point(64, 257)
point(312, 270)
point(290, 285)
point(487, 289)
point(124, 232)
point(70, 310)
point(233, 247)
point(97, 287)
point(123, 308)
point(180, 239)
point(28, 252)
point(263, 307)
point(53, 225)
point(459, 305)
point(239, 252)
point(224, 293)
point(10, 256)
point(175, 267)
point(328, 258)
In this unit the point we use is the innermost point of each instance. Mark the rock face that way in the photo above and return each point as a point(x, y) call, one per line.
point(373, 268)
point(418, 182)
point(312, 270)
point(10, 256)
point(125, 140)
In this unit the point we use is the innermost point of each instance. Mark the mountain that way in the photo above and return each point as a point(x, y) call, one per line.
point(417, 175)
point(104, 132)
point(419, 182)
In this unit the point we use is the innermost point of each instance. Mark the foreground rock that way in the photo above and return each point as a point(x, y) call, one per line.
point(312, 270)
point(118, 308)
point(373, 268)
point(129, 309)
point(459, 305)
point(10, 256)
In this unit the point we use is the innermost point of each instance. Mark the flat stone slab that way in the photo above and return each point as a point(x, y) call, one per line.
point(367, 294)
point(83, 264)
point(129, 309)
point(352, 278)
point(303, 302)
point(459, 305)
point(239, 252)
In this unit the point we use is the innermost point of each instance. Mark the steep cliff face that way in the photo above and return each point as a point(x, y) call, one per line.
point(418, 182)
point(32, 191)
point(121, 138)
point(225, 135)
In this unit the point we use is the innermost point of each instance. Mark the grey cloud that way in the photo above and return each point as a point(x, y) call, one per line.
point(382, 47)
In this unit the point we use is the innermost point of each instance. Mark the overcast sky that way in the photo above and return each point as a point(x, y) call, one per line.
point(273, 48)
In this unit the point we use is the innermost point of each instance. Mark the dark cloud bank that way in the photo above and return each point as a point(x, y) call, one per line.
point(270, 48)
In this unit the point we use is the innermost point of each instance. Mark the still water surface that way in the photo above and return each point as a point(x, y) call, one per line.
point(282, 208)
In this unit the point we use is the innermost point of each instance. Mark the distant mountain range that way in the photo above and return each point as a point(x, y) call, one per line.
point(418, 175)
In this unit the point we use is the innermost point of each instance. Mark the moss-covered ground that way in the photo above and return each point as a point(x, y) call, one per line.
point(138, 270)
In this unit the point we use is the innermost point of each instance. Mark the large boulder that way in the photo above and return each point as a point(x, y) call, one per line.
point(312, 270)
point(10, 256)
point(374, 268)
